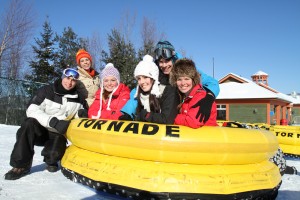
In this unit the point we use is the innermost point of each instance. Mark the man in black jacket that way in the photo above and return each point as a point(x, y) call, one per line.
point(48, 117)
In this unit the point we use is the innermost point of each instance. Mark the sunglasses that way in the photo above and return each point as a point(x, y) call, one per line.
point(164, 53)
point(71, 72)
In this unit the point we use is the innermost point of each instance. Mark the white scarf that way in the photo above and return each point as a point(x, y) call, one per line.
point(145, 101)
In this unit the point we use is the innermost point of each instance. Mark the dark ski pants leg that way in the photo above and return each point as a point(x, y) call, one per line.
point(30, 133)
point(54, 148)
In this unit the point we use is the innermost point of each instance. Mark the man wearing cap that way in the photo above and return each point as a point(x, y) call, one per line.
point(48, 117)
point(165, 57)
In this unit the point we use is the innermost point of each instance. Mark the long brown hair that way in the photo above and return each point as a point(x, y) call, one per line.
point(153, 101)
point(105, 94)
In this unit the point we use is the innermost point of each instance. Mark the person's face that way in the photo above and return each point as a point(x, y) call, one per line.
point(85, 63)
point(165, 65)
point(68, 83)
point(145, 83)
point(184, 84)
point(110, 83)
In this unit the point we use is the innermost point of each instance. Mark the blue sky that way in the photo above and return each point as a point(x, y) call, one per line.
point(243, 36)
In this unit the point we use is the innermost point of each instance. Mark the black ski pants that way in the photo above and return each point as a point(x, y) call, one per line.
point(32, 133)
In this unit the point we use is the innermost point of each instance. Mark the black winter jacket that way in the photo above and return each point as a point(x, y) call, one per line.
point(168, 103)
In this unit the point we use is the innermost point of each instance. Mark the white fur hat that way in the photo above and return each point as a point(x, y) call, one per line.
point(148, 68)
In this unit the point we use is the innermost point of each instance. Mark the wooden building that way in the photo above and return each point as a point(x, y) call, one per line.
point(253, 101)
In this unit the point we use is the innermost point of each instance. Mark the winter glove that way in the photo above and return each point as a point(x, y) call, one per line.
point(126, 117)
point(144, 115)
point(60, 125)
point(82, 113)
point(205, 105)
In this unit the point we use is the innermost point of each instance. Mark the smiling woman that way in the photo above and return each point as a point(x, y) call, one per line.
point(89, 81)
point(156, 102)
point(111, 96)
point(185, 77)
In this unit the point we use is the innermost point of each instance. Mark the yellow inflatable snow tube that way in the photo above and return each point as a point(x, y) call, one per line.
point(288, 138)
point(172, 159)
point(171, 177)
point(172, 143)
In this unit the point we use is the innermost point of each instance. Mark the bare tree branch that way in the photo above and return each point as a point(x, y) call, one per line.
point(148, 31)
point(127, 24)
point(95, 49)
point(16, 26)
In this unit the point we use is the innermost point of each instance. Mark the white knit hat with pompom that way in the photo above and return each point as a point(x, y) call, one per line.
point(148, 68)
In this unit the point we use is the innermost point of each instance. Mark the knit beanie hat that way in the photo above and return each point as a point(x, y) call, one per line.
point(148, 68)
point(166, 50)
point(164, 44)
point(109, 70)
point(83, 54)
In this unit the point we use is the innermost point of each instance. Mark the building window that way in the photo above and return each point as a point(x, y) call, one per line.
point(221, 112)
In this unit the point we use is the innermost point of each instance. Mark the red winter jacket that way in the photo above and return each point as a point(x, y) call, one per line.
point(119, 98)
point(187, 116)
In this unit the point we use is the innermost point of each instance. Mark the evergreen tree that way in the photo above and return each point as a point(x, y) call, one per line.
point(42, 66)
point(69, 44)
point(123, 55)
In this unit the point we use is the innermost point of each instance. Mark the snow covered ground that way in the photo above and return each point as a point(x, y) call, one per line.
point(40, 184)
